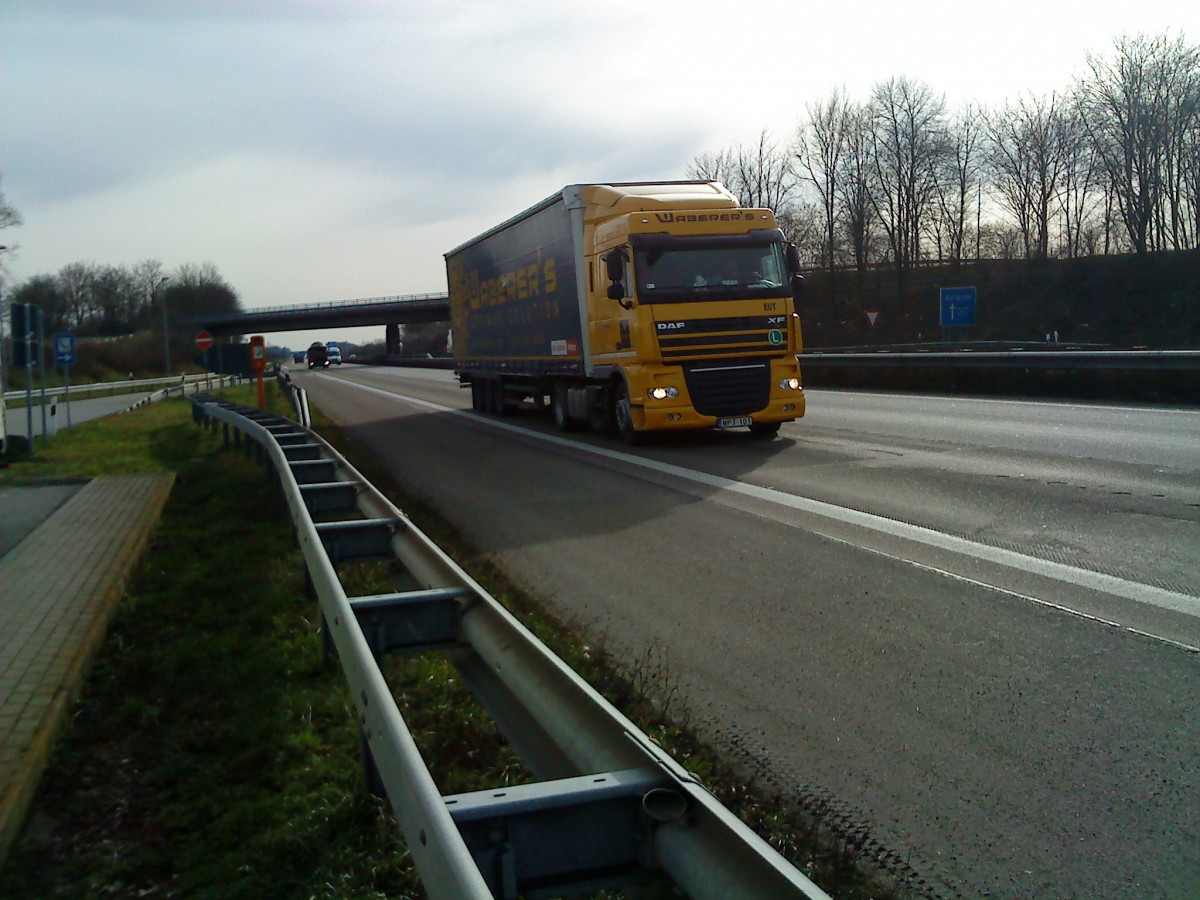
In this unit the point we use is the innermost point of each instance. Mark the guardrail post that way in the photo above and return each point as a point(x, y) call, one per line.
point(225, 430)
point(371, 777)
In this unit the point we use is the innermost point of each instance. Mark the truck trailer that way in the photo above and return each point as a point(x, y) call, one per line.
point(632, 308)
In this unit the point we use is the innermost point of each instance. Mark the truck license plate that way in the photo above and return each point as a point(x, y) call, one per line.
point(737, 422)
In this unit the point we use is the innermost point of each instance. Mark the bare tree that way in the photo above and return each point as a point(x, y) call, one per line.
point(116, 296)
point(147, 275)
point(907, 141)
point(1078, 196)
point(760, 176)
point(1190, 182)
point(856, 209)
point(76, 281)
point(43, 292)
point(719, 166)
point(959, 182)
point(1026, 152)
point(765, 175)
point(818, 149)
point(1000, 240)
point(803, 225)
point(9, 217)
point(196, 289)
point(1142, 108)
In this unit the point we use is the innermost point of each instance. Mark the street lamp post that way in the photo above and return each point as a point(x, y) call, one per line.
point(166, 335)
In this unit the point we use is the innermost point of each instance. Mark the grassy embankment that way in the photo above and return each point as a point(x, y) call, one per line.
point(214, 752)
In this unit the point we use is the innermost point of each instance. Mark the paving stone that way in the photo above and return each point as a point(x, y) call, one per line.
point(58, 588)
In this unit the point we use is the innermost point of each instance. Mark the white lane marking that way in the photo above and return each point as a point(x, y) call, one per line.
point(1049, 604)
point(1096, 581)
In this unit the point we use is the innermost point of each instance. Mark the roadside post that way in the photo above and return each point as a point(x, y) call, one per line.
point(64, 355)
point(24, 326)
point(40, 349)
point(258, 362)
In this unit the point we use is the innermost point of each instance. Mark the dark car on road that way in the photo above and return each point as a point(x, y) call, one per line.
point(318, 356)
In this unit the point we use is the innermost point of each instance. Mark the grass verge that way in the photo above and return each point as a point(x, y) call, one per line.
point(214, 753)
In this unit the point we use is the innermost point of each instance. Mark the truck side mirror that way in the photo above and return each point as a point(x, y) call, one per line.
point(614, 266)
point(797, 284)
point(793, 258)
point(614, 263)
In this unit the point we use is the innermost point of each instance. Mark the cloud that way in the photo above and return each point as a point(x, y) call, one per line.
point(318, 149)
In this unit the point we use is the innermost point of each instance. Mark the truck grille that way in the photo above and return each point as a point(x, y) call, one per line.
point(743, 335)
point(731, 387)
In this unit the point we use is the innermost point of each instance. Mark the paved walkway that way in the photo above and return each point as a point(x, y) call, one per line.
point(58, 587)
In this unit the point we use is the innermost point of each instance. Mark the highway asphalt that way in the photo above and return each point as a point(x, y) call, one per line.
point(967, 627)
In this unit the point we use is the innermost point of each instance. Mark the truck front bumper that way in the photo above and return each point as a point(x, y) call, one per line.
point(660, 416)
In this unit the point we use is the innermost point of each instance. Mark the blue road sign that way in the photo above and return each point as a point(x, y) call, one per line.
point(958, 306)
point(64, 349)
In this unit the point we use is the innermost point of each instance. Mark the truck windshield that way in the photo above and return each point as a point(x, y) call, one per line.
point(683, 269)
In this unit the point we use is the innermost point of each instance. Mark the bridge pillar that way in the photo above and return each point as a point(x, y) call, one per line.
point(394, 347)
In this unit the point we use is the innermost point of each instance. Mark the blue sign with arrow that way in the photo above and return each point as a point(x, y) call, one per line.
point(958, 306)
point(64, 349)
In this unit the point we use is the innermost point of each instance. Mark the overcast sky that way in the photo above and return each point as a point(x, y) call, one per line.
point(318, 150)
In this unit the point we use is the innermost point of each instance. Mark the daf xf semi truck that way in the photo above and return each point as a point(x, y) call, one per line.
point(632, 308)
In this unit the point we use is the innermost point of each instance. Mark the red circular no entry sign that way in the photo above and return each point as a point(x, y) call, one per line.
point(204, 340)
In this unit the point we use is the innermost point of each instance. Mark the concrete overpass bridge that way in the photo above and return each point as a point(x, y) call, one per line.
point(391, 312)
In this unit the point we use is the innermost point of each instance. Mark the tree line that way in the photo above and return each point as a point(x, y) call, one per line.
point(1109, 165)
point(108, 301)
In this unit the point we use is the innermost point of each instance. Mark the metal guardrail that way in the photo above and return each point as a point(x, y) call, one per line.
point(297, 396)
point(962, 358)
point(1080, 373)
point(1097, 360)
point(116, 387)
point(181, 388)
point(611, 809)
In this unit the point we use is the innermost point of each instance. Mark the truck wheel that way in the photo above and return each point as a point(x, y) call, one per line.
point(765, 430)
point(622, 414)
point(558, 405)
point(485, 395)
point(499, 400)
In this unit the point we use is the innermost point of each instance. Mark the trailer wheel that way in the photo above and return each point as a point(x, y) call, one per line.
point(622, 414)
point(558, 405)
point(476, 395)
point(499, 400)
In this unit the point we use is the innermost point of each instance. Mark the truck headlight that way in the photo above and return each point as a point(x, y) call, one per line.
point(790, 384)
point(663, 393)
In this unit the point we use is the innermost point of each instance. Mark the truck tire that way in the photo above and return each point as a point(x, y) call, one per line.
point(622, 414)
point(486, 394)
point(764, 430)
point(476, 395)
point(499, 399)
point(559, 407)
